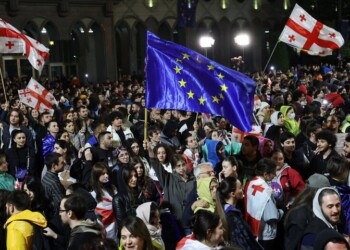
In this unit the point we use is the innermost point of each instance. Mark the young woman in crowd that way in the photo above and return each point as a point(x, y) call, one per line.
point(50, 138)
point(135, 235)
point(208, 232)
point(20, 158)
point(237, 231)
point(229, 168)
point(62, 147)
point(287, 183)
point(125, 203)
point(103, 192)
point(149, 213)
point(163, 155)
point(145, 183)
point(135, 150)
point(262, 216)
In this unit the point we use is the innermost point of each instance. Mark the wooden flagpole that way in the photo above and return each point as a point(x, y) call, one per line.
point(145, 129)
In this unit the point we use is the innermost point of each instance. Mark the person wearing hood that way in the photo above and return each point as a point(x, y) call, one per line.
point(214, 152)
point(72, 212)
point(149, 213)
point(327, 210)
point(266, 146)
point(206, 190)
point(290, 123)
point(262, 114)
point(19, 228)
point(277, 127)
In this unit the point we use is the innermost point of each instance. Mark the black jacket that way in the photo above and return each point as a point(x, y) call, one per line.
point(123, 206)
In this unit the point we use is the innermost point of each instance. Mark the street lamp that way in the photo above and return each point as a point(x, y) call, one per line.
point(206, 42)
point(242, 40)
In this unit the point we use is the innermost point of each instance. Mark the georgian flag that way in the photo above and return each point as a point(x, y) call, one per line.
point(13, 41)
point(304, 32)
point(37, 97)
point(256, 195)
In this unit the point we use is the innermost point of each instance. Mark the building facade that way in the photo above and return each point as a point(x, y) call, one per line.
point(104, 39)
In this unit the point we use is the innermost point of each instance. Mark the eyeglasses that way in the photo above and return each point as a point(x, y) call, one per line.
point(63, 210)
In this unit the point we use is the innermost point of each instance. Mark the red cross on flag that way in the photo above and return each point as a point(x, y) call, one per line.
point(256, 195)
point(13, 41)
point(304, 32)
point(37, 97)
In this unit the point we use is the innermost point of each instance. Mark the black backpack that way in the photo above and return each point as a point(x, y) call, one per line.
point(39, 240)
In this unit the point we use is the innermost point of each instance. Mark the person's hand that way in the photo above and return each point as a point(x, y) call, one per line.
point(88, 155)
point(145, 145)
point(195, 126)
point(199, 203)
point(49, 233)
point(317, 151)
point(80, 153)
point(332, 111)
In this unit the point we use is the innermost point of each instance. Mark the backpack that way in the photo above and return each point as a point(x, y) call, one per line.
point(39, 240)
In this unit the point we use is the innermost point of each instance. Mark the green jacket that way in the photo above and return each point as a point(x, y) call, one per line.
point(291, 124)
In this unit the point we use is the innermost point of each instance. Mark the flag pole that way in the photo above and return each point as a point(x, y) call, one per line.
point(145, 129)
point(268, 61)
point(3, 85)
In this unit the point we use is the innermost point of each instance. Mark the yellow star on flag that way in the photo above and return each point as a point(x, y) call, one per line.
point(177, 70)
point(190, 94)
point(201, 100)
point(224, 87)
point(215, 99)
point(178, 60)
point(182, 83)
point(221, 76)
point(221, 96)
point(186, 56)
point(210, 67)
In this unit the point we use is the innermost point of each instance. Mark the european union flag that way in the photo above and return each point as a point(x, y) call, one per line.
point(179, 78)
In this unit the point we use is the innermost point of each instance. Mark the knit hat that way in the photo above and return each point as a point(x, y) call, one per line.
point(263, 105)
point(318, 181)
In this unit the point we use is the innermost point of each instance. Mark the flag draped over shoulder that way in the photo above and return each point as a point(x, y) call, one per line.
point(256, 195)
point(304, 32)
point(179, 78)
point(37, 97)
point(13, 41)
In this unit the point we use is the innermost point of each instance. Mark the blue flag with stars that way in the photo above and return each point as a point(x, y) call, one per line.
point(179, 78)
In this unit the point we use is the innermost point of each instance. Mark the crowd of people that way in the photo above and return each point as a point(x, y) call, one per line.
point(104, 172)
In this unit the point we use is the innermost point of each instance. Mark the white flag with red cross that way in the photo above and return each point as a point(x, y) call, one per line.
point(37, 97)
point(304, 32)
point(256, 195)
point(13, 41)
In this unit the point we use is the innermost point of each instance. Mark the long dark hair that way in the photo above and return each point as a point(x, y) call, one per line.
point(133, 193)
point(203, 221)
point(138, 229)
point(97, 186)
point(226, 187)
